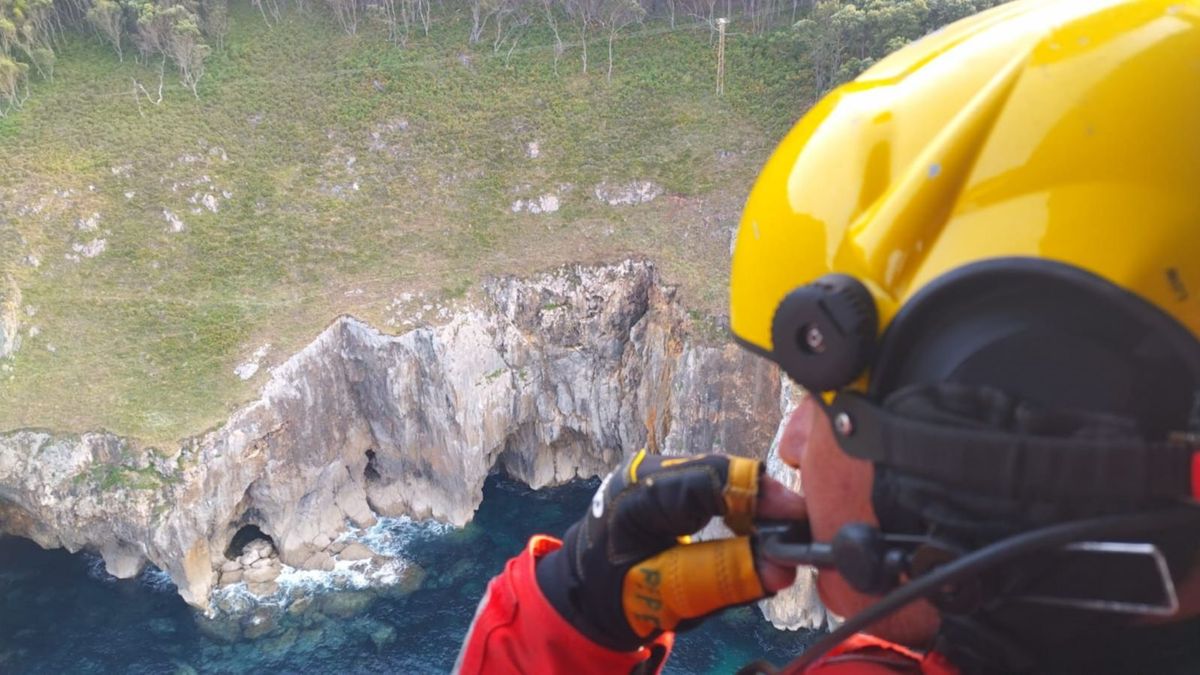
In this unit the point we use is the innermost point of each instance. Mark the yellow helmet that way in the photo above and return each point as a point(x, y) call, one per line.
point(988, 246)
point(1050, 144)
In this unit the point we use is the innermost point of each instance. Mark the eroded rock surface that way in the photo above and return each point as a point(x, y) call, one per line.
point(550, 378)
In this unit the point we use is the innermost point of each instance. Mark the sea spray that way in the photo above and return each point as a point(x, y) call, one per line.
point(388, 539)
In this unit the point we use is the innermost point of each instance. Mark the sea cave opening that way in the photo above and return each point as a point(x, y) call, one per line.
point(371, 473)
point(245, 535)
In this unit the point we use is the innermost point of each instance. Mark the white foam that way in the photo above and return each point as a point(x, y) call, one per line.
point(157, 580)
point(96, 568)
point(391, 536)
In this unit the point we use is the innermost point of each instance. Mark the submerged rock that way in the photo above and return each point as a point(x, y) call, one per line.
point(259, 623)
point(220, 628)
point(383, 636)
point(345, 604)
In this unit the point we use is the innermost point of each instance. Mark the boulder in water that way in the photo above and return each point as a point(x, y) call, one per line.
point(356, 551)
point(259, 575)
point(263, 589)
point(317, 561)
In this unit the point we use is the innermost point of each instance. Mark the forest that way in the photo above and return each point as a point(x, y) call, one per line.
point(835, 39)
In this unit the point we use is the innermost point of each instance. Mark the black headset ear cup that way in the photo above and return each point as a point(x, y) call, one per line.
point(823, 333)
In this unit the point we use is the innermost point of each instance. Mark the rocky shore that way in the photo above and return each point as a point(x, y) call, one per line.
point(547, 379)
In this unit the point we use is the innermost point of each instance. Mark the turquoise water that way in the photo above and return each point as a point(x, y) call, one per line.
point(60, 613)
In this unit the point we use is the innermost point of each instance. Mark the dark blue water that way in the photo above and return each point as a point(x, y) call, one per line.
point(59, 613)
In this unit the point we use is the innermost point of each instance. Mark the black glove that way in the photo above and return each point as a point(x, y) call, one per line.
point(627, 571)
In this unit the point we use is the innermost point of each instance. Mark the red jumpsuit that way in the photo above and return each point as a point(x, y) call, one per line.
point(516, 630)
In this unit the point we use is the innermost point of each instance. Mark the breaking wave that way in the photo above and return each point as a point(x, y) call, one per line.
point(389, 539)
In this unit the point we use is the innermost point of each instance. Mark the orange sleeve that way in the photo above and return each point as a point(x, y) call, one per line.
point(516, 630)
point(866, 654)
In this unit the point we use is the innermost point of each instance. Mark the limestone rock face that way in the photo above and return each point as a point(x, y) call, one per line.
point(549, 378)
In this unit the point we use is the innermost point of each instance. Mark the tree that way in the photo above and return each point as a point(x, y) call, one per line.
point(187, 49)
point(549, 10)
point(826, 35)
point(583, 14)
point(510, 18)
point(108, 18)
point(154, 24)
point(214, 20)
point(615, 16)
point(346, 12)
point(173, 31)
point(13, 74)
point(480, 12)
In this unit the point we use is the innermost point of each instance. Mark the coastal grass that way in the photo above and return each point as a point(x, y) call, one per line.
point(344, 175)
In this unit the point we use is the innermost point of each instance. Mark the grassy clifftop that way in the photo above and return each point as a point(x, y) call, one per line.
point(157, 247)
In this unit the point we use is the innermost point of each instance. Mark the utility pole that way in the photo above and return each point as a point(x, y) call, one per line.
point(721, 55)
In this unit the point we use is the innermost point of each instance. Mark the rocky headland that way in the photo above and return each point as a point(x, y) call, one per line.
point(547, 379)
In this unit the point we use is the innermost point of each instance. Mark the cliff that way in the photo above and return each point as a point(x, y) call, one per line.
point(548, 379)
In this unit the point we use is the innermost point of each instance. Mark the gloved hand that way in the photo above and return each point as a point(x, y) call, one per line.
point(628, 572)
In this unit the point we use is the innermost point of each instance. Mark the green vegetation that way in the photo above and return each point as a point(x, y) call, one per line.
point(341, 197)
point(157, 244)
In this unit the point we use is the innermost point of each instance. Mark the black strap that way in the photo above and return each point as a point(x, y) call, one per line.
point(1012, 465)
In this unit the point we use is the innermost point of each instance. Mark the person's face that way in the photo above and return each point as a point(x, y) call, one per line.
point(837, 490)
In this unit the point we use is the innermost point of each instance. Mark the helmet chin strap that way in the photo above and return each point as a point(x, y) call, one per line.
point(874, 562)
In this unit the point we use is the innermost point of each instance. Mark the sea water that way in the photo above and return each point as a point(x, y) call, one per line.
point(61, 613)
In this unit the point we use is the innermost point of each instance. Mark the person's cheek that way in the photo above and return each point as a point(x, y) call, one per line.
point(796, 432)
point(838, 491)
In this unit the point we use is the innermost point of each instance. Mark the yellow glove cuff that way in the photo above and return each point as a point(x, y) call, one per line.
point(687, 582)
point(741, 494)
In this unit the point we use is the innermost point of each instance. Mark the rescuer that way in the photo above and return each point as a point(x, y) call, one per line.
point(983, 257)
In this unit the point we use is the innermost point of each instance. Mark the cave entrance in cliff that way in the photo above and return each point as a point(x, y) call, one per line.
point(245, 535)
point(371, 473)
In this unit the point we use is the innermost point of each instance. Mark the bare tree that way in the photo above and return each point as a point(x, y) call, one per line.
point(162, 65)
point(761, 14)
point(511, 18)
point(154, 26)
point(422, 11)
point(549, 11)
point(214, 20)
point(346, 12)
point(108, 18)
point(480, 13)
point(187, 49)
point(704, 10)
point(615, 16)
point(583, 14)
